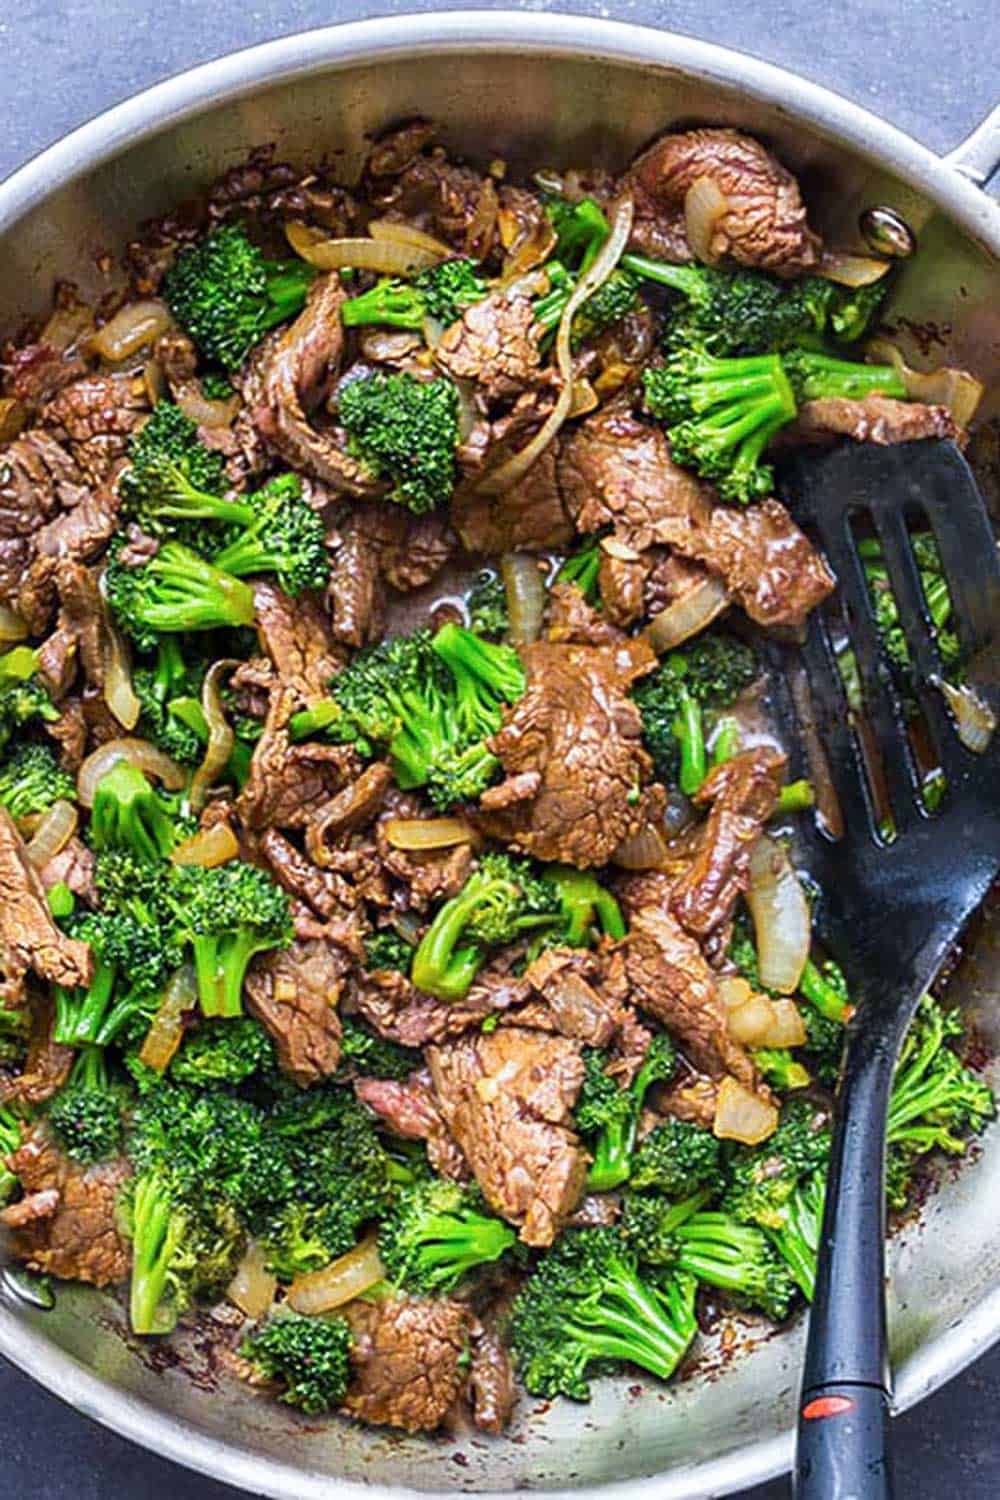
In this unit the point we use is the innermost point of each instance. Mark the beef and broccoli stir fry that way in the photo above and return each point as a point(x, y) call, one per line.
point(401, 931)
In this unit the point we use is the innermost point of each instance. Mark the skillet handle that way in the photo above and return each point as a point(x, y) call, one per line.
point(978, 156)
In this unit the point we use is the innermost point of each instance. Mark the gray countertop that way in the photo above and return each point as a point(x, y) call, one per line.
point(928, 67)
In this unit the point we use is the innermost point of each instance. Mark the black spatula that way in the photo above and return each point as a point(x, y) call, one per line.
point(899, 884)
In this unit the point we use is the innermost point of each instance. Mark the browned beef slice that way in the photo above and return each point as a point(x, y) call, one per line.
point(351, 808)
point(491, 1381)
point(671, 979)
point(408, 1359)
point(70, 733)
point(401, 1013)
point(409, 1109)
point(876, 419)
point(577, 730)
point(693, 1098)
point(82, 615)
point(571, 983)
point(616, 470)
point(741, 795)
point(27, 929)
point(38, 480)
point(289, 785)
point(293, 993)
point(77, 1237)
point(294, 373)
point(48, 1063)
point(621, 580)
point(295, 636)
point(495, 345)
point(94, 418)
point(354, 595)
point(33, 373)
point(507, 1099)
point(529, 515)
point(408, 180)
point(425, 877)
point(526, 231)
point(325, 891)
point(418, 551)
point(764, 223)
point(572, 620)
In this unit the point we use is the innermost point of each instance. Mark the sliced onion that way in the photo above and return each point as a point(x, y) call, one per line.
point(468, 416)
point(584, 399)
point(684, 617)
point(614, 547)
point(525, 248)
point(138, 753)
point(851, 270)
point(733, 991)
point(704, 205)
point(959, 391)
point(525, 590)
point(387, 257)
point(507, 474)
point(13, 418)
point(220, 734)
point(253, 1286)
point(132, 327)
point(780, 915)
point(408, 234)
point(119, 694)
point(341, 1281)
point(763, 1022)
point(164, 1035)
point(429, 833)
point(154, 381)
point(206, 413)
point(208, 847)
point(743, 1116)
point(57, 826)
point(975, 721)
point(12, 627)
point(645, 850)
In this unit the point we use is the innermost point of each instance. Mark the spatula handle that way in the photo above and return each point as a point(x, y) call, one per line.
point(843, 1448)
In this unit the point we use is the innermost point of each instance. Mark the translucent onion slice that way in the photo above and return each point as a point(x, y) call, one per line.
point(704, 205)
point(975, 721)
point(132, 327)
point(763, 1022)
point(119, 694)
point(946, 386)
point(684, 617)
point(525, 589)
point(780, 915)
point(253, 1286)
point(584, 399)
point(341, 1281)
point(429, 833)
point(208, 847)
point(645, 850)
point(851, 270)
point(13, 418)
point(507, 474)
point(408, 234)
point(57, 826)
point(164, 1035)
point(12, 627)
point(743, 1116)
point(220, 734)
point(138, 753)
point(206, 413)
point(387, 257)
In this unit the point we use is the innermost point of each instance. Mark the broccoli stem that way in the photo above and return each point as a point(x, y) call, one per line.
point(156, 1235)
point(815, 376)
point(815, 987)
point(780, 1069)
point(796, 796)
point(582, 568)
point(221, 961)
point(439, 966)
point(684, 279)
point(725, 741)
point(690, 734)
point(80, 1014)
point(389, 303)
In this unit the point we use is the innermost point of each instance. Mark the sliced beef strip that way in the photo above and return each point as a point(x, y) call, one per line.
point(48, 1063)
point(83, 617)
point(288, 784)
point(507, 1098)
point(408, 1108)
point(527, 233)
point(75, 537)
point(94, 418)
point(291, 375)
point(418, 549)
point(491, 1388)
point(28, 931)
point(621, 580)
point(354, 595)
point(527, 517)
point(876, 419)
point(351, 808)
point(617, 470)
point(406, 178)
point(573, 621)
point(495, 344)
point(400, 1012)
point(741, 795)
point(693, 1098)
point(408, 1357)
point(577, 999)
point(77, 1236)
point(325, 891)
point(764, 223)
point(32, 374)
point(580, 733)
point(294, 993)
point(295, 636)
point(426, 877)
point(73, 866)
point(38, 480)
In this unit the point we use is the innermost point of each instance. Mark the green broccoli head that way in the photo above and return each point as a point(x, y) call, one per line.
point(678, 1158)
point(221, 1053)
point(436, 1232)
point(373, 1056)
point(86, 1114)
point(406, 431)
point(607, 1113)
point(167, 686)
point(762, 1180)
point(128, 814)
point(133, 958)
point(284, 535)
point(449, 288)
point(489, 614)
point(708, 673)
point(309, 1357)
point(31, 779)
point(442, 292)
point(173, 591)
point(23, 695)
point(228, 914)
point(172, 478)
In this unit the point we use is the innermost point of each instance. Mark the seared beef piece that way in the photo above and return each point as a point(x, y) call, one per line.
point(408, 1108)
point(293, 993)
point(33, 373)
point(406, 180)
point(741, 795)
point(491, 1381)
point(671, 979)
point(289, 784)
point(94, 418)
point(57, 662)
point(596, 1211)
point(400, 1012)
point(578, 1001)
point(527, 517)
point(295, 636)
point(526, 231)
point(325, 891)
point(426, 877)
point(624, 348)
point(352, 807)
point(381, 540)
point(38, 480)
point(621, 580)
point(75, 1233)
point(72, 866)
point(48, 1063)
point(354, 595)
point(70, 733)
point(576, 729)
point(876, 419)
point(495, 345)
point(77, 536)
point(424, 545)
point(408, 1359)
point(573, 621)
point(669, 578)
point(507, 1099)
point(83, 616)
point(765, 220)
point(28, 933)
point(291, 375)
point(692, 1098)
point(616, 470)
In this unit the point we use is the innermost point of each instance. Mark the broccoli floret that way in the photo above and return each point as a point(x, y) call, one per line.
point(581, 229)
point(796, 796)
point(585, 906)
point(763, 1179)
point(223, 1052)
point(308, 1356)
point(936, 1103)
point(406, 431)
point(228, 914)
point(797, 1240)
point(173, 478)
point(173, 591)
point(613, 300)
point(501, 900)
point(10, 1139)
point(489, 614)
point(133, 959)
point(163, 686)
point(678, 1158)
point(582, 568)
point(449, 288)
point(225, 294)
point(385, 949)
point(780, 1069)
point(372, 1055)
point(284, 535)
point(587, 1308)
point(86, 1115)
point(183, 1247)
point(126, 883)
point(31, 779)
point(814, 376)
point(128, 814)
point(709, 672)
point(436, 1232)
point(216, 387)
point(607, 1115)
point(442, 292)
point(23, 696)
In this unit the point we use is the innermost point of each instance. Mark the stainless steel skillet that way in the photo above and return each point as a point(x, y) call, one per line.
point(565, 90)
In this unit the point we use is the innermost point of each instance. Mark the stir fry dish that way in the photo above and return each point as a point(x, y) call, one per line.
point(403, 936)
